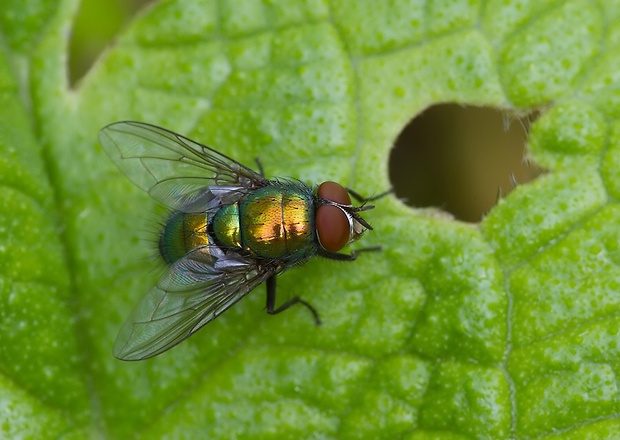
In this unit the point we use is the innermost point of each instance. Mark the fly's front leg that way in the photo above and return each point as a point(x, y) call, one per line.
point(360, 198)
point(346, 257)
point(271, 301)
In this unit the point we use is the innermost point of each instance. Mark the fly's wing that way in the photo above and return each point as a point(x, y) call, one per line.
point(173, 169)
point(194, 291)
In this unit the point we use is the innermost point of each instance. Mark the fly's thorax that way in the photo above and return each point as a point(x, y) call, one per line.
point(276, 221)
point(182, 233)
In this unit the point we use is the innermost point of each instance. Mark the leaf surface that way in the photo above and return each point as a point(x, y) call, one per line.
point(507, 329)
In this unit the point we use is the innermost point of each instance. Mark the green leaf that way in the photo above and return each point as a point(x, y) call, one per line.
point(508, 329)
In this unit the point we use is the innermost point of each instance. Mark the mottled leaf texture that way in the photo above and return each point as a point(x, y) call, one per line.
point(507, 329)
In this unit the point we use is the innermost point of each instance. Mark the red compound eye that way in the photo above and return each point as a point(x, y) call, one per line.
point(334, 192)
point(333, 228)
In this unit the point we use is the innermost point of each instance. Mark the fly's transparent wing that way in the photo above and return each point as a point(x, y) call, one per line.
point(194, 291)
point(173, 169)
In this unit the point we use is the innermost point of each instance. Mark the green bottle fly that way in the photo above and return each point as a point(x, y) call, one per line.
point(230, 230)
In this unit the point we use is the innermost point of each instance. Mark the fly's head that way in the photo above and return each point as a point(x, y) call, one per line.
point(338, 222)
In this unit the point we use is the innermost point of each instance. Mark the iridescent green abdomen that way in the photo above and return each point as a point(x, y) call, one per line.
point(226, 227)
point(276, 221)
point(182, 233)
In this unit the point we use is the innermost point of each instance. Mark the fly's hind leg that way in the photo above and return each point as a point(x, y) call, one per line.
point(259, 164)
point(271, 301)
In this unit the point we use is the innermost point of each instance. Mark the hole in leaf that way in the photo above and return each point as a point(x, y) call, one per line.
point(460, 158)
point(96, 24)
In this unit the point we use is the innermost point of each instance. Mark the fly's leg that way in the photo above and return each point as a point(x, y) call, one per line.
point(259, 164)
point(271, 301)
point(346, 257)
point(357, 196)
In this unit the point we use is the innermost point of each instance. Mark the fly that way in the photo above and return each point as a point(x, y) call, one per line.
point(230, 230)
